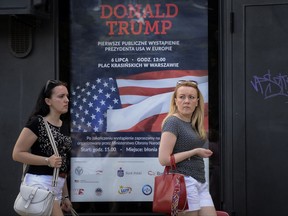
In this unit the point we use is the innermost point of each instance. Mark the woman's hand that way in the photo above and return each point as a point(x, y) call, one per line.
point(66, 205)
point(54, 161)
point(204, 153)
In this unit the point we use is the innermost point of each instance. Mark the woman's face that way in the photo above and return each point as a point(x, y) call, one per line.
point(59, 100)
point(186, 100)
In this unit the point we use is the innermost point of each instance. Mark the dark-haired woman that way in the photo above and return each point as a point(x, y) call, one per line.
point(34, 148)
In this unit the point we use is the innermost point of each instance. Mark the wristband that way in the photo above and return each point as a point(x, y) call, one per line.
point(47, 160)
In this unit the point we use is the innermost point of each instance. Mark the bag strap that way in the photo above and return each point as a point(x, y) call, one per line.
point(31, 197)
point(73, 212)
point(52, 141)
point(24, 171)
point(172, 162)
point(176, 192)
point(175, 198)
point(54, 147)
point(172, 165)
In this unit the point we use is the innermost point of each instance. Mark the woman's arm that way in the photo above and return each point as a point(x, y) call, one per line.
point(167, 143)
point(21, 151)
point(66, 203)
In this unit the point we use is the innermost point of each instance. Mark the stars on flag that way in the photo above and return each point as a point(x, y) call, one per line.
point(90, 102)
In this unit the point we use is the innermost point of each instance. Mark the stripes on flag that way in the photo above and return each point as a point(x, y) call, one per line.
point(145, 99)
point(132, 103)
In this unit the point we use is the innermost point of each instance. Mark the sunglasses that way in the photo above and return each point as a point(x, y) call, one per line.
point(180, 82)
point(55, 82)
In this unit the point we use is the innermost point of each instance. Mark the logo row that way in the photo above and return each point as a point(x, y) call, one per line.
point(120, 172)
point(122, 190)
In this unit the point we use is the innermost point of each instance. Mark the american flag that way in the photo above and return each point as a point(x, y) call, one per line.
point(131, 103)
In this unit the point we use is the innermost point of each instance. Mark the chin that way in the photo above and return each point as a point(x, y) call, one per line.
point(64, 111)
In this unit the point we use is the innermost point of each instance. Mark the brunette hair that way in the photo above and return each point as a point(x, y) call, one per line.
point(41, 108)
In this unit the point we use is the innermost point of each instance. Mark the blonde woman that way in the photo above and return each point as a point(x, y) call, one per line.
point(184, 136)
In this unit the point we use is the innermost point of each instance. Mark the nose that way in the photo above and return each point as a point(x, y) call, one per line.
point(186, 100)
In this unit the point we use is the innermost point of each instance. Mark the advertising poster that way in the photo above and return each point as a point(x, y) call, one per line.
point(126, 58)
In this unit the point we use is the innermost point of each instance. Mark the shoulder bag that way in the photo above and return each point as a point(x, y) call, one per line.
point(170, 195)
point(33, 200)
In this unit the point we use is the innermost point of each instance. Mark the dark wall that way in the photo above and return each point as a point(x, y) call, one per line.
point(20, 81)
point(254, 111)
point(266, 108)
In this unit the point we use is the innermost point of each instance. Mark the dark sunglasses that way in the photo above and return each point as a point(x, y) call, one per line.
point(180, 82)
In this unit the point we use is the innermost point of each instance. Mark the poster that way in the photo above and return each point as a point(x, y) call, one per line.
point(126, 57)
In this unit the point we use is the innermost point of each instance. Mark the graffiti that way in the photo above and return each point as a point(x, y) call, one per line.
point(271, 86)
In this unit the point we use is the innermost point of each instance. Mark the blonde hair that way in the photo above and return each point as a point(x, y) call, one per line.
point(198, 114)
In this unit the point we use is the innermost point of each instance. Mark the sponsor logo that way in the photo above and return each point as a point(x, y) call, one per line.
point(124, 190)
point(78, 191)
point(159, 173)
point(120, 172)
point(98, 191)
point(146, 190)
point(99, 172)
point(78, 170)
point(133, 173)
point(152, 173)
